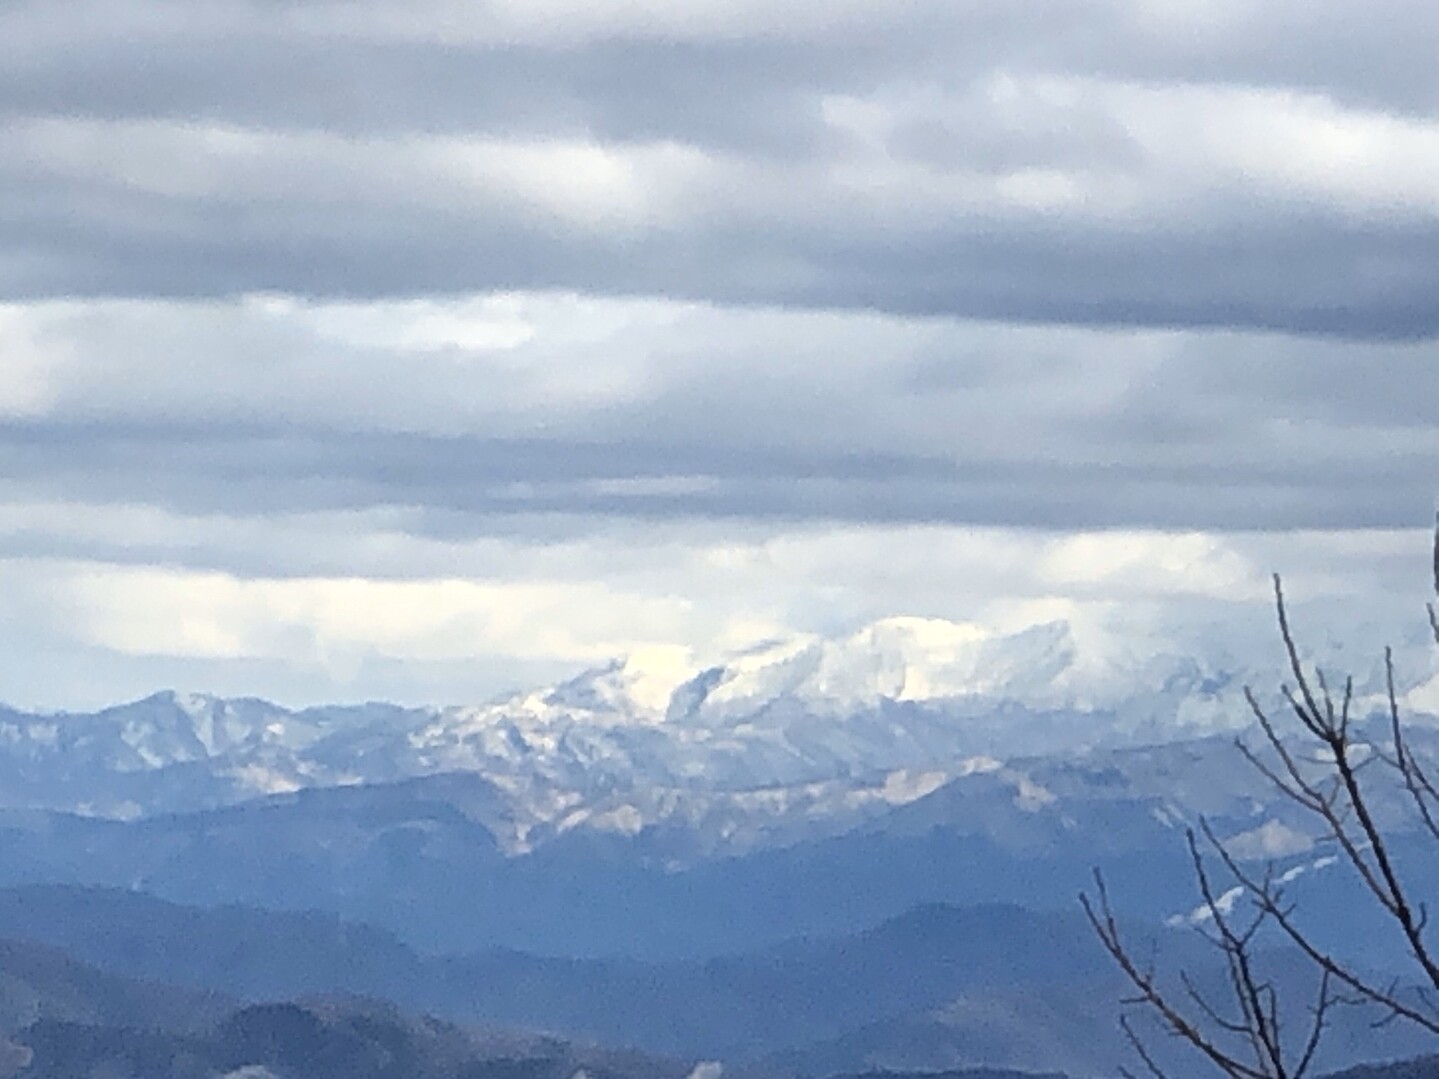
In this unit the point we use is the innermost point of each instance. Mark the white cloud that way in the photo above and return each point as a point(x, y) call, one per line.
point(146, 611)
point(1280, 146)
point(1091, 149)
point(585, 184)
point(472, 617)
point(30, 367)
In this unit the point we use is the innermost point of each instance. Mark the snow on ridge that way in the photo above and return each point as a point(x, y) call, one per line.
point(896, 659)
point(789, 711)
point(1043, 666)
point(788, 731)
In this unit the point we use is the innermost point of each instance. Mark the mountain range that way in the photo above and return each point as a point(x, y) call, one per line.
point(779, 742)
point(935, 988)
point(819, 855)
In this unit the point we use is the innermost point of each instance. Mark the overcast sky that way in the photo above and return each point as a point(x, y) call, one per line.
point(423, 350)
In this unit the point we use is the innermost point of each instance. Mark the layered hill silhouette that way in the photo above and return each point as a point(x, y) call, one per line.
point(937, 987)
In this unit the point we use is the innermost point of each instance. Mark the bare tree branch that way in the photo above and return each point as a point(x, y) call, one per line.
point(1328, 775)
point(1102, 919)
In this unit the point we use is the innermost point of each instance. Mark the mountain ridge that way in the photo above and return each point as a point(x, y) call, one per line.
point(832, 731)
point(966, 985)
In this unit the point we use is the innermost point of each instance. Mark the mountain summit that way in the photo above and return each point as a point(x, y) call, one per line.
point(803, 724)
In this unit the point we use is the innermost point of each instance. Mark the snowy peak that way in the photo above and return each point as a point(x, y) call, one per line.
point(170, 727)
point(788, 725)
point(901, 693)
point(896, 659)
point(900, 659)
point(641, 684)
point(913, 659)
point(174, 728)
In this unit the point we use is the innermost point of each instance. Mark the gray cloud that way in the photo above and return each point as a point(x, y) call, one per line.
point(1014, 168)
point(730, 317)
point(1312, 276)
point(360, 67)
point(596, 409)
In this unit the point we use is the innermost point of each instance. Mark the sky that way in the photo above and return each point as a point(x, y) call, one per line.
point(424, 350)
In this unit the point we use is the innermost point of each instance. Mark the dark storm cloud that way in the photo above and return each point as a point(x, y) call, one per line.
point(248, 147)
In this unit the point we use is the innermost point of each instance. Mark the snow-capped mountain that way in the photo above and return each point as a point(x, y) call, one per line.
point(806, 733)
point(647, 806)
point(899, 693)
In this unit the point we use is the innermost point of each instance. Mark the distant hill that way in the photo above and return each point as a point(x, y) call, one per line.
point(61, 1019)
point(939, 987)
point(43, 984)
point(1426, 1067)
point(314, 1040)
point(738, 1007)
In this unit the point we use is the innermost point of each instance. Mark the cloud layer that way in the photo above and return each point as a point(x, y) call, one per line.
point(364, 348)
point(1097, 162)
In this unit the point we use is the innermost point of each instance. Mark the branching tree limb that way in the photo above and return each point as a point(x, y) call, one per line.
point(1328, 773)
